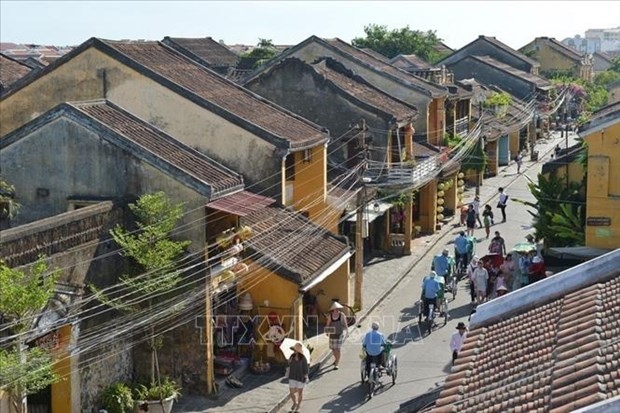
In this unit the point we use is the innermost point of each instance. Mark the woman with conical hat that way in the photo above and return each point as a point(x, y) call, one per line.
point(335, 327)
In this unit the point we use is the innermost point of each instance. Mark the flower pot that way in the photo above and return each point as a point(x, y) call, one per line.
point(155, 406)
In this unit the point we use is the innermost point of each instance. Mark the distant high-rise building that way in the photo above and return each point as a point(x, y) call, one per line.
point(609, 38)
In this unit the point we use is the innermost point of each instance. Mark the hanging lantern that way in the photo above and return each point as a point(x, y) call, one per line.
point(440, 217)
point(440, 201)
point(461, 175)
point(460, 182)
point(441, 186)
point(460, 190)
point(440, 194)
point(440, 209)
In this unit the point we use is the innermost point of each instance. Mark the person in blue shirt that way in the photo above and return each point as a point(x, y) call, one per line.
point(430, 289)
point(442, 265)
point(460, 249)
point(374, 344)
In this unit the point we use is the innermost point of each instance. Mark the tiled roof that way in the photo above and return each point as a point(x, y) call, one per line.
point(603, 56)
point(554, 354)
point(603, 115)
point(357, 87)
point(565, 50)
point(386, 68)
point(157, 142)
point(207, 49)
point(536, 80)
point(423, 149)
point(406, 61)
point(234, 99)
point(507, 49)
point(241, 203)
point(291, 245)
point(11, 70)
point(376, 55)
point(24, 244)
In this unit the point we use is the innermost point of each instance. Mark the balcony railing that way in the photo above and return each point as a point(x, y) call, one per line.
point(461, 126)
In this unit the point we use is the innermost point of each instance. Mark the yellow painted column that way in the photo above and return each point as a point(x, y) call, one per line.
point(61, 390)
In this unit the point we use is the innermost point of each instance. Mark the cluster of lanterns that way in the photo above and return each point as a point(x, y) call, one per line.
point(441, 188)
point(460, 188)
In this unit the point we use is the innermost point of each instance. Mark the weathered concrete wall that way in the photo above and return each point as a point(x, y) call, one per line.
point(85, 166)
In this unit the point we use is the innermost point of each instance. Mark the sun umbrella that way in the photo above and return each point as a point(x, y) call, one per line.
point(286, 348)
point(524, 247)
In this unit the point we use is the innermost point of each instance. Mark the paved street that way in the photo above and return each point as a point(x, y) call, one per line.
point(423, 363)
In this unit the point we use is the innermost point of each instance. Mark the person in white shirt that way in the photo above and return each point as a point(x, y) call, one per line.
point(476, 204)
point(481, 278)
point(457, 340)
point(501, 204)
point(470, 276)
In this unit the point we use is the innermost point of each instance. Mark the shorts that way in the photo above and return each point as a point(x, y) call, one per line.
point(336, 343)
point(295, 384)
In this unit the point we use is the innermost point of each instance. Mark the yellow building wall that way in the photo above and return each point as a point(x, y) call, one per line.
point(428, 207)
point(575, 172)
point(513, 140)
point(550, 59)
point(61, 390)
point(310, 188)
point(436, 122)
point(336, 286)
point(492, 163)
point(603, 192)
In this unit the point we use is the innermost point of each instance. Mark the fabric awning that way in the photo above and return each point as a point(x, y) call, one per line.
point(241, 203)
point(370, 214)
point(327, 272)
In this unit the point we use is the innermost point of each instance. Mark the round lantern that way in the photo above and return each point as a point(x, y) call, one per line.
point(440, 201)
point(441, 186)
point(440, 209)
point(461, 175)
point(460, 182)
point(460, 190)
point(440, 194)
point(440, 217)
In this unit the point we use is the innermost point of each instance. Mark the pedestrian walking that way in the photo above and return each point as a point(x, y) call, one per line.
point(335, 327)
point(476, 204)
point(470, 276)
point(471, 220)
point(297, 375)
point(501, 204)
point(507, 269)
point(481, 280)
point(497, 245)
point(519, 161)
point(487, 218)
point(457, 340)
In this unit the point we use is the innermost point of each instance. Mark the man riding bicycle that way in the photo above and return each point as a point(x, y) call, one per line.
point(460, 251)
point(442, 265)
point(430, 289)
point(374, 343)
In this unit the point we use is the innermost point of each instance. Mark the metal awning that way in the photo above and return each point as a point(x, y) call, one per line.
point(578, 253)
point(370, 212)
point(241, 203)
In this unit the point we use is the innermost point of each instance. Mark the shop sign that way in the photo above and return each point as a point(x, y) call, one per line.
point(598, 221)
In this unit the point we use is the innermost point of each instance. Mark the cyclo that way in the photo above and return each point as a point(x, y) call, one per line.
point(429, 312)
point(388, 366)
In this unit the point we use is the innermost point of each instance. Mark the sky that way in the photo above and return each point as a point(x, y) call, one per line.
point(516, 23)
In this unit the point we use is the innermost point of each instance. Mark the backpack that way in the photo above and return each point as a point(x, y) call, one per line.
point(495, 247)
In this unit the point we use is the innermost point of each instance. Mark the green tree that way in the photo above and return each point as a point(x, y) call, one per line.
point(23, 295)
point(615, 64)
point(155, 254)
point(8, 206)
point(264, 51)
point(393, 42)
point(558, 212)
point(476, 161)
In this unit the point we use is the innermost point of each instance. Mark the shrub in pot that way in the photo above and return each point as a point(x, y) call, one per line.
point(117, 398)
point(156, 397)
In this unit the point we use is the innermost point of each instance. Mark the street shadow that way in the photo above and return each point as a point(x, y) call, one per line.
point(460, 311)
point(447, 368)
point(347, 399)
point(410, 333)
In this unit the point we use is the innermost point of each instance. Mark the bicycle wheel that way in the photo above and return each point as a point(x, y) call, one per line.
point(453, 287)
point(430, 318)
point(372, 382)
point(394, 368)
point(363, 371)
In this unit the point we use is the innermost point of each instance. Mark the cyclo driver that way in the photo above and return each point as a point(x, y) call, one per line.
point(430, 289)
point(442, 265)
point(373, 344)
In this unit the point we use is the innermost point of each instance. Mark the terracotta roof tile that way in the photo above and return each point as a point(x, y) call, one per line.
point(357, 87)
point(212, 52)
point(11, 71)
point(232, 98)
point(557, 356)
point(291, 245)
point(192, 162)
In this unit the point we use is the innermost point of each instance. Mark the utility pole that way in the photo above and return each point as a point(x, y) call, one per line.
point(481, 143)
point(359, 222)
point(209, 336)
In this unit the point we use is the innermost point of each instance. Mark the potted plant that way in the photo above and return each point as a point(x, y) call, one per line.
point(156, 397)
point(118, 398)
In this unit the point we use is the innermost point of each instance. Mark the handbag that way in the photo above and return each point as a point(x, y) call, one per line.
point(499, 205)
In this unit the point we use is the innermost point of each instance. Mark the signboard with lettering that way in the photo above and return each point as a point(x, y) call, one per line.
point(598, 221)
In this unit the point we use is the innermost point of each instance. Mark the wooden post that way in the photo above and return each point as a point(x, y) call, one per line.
point(209, 337)
point(359, 249)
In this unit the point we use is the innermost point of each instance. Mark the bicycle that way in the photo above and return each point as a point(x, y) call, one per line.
point(429, 317)
point(373, 378)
